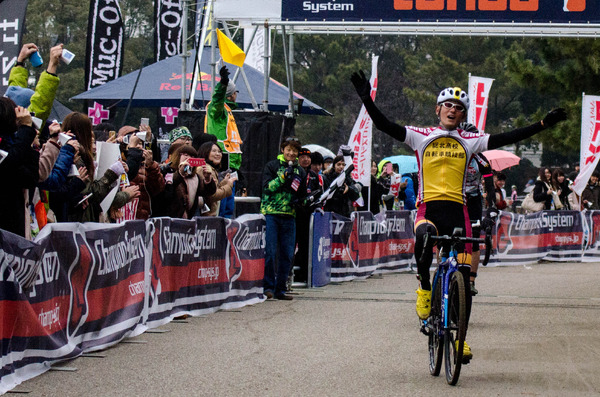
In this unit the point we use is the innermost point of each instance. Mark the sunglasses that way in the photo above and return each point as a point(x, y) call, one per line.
point(291, 139)
point(450, 105)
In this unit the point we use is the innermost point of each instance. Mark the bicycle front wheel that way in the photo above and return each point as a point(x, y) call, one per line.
point(436, 338)
point(454, 338)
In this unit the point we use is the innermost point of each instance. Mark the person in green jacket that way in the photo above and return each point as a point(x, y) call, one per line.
point(220, 122)
point(284, 186)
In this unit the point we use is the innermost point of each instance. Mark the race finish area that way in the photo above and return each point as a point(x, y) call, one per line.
point(532, 331)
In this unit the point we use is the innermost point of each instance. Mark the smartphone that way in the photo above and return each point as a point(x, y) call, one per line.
point(234, 175)
point(196, 162)
point(112, 134)
point(145, 121)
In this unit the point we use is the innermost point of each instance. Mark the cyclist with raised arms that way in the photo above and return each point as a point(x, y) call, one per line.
point(443, 153)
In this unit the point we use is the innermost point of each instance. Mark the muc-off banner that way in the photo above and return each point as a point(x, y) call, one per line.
point(167, 34)
point(365, 245)
point(518, 11)
point(88, 294)
point(12, 20)
point(200, 266)
point(549, 235)
point(104, 55)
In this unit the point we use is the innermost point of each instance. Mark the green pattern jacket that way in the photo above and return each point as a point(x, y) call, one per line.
point(279, 198)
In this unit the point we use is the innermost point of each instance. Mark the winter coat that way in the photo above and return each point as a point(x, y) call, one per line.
point(19, 170)
point(281, 195)
point(223, 190)
point(45, 90)
point(150, 180)
point(540, 194)
point(53, 174)
point(183, 205)
point(219, 119)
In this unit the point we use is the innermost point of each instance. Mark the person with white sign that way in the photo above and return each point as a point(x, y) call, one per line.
point(443, 153)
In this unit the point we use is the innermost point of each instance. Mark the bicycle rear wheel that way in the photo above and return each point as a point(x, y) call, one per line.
point(436, 338)
point(454, 337)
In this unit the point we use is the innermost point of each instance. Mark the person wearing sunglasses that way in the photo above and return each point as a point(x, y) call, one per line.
point(443, 153)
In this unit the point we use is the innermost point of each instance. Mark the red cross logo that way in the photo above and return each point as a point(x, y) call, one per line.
point(169, 114)
point(98, 113)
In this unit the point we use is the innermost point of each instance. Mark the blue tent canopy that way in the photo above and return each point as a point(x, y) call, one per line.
point(160, 86)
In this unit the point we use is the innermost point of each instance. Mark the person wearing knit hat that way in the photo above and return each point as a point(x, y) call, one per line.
point(180, 133)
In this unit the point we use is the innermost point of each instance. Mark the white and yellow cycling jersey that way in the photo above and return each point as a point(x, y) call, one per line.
point(443, 158)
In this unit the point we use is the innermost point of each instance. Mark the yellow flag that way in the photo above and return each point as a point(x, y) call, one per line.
point(230, 52)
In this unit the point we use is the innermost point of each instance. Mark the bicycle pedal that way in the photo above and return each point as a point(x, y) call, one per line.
point(425, 330)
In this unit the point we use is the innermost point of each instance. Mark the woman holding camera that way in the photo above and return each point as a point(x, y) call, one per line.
point(191, 185)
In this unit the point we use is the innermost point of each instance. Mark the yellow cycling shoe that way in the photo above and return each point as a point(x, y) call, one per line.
point(467, 354)
point(423, 303)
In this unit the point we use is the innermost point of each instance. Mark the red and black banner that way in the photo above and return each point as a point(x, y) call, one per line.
point(365, 245)
point(12, 20)
point(549, 235)
point(81, 288)
point(205, 264)
point(104, 55)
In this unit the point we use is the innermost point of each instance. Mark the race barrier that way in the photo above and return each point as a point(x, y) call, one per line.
point(84, 287)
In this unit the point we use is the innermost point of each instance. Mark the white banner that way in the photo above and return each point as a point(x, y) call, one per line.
point(479, 92)
point(256, 52)
point(590, 141)
point(361, 136)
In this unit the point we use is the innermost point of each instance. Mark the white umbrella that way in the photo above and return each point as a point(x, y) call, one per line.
point(318, 148)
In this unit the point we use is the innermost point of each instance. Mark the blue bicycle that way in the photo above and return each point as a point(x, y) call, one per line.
point(446, 326)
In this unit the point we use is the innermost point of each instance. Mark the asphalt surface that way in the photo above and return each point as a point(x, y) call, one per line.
point(534, 331)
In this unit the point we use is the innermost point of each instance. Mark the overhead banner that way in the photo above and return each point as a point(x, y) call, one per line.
point(479, 92)
point(12, 20)
point(104, 55)
point(513, 11)
point(361, 136)
point(590, 141)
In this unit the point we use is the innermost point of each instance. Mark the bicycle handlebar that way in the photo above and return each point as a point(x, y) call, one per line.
point(457, 238)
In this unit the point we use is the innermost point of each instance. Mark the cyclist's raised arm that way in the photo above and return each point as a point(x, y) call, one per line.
point(554, 116)
point(363, 88)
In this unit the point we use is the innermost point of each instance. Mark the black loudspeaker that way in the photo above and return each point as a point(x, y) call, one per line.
point(261, 133)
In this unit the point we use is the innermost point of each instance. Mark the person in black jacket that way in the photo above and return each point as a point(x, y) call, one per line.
point(303, 212)
point(542, 191)
point(341, 200)
point(19, 166)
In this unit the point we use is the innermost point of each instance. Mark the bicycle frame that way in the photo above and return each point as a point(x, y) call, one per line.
point(446, 334)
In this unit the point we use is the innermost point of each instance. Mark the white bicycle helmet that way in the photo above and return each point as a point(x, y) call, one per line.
point(454, 93)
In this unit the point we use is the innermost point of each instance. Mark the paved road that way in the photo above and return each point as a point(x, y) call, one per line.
point(534, 332)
